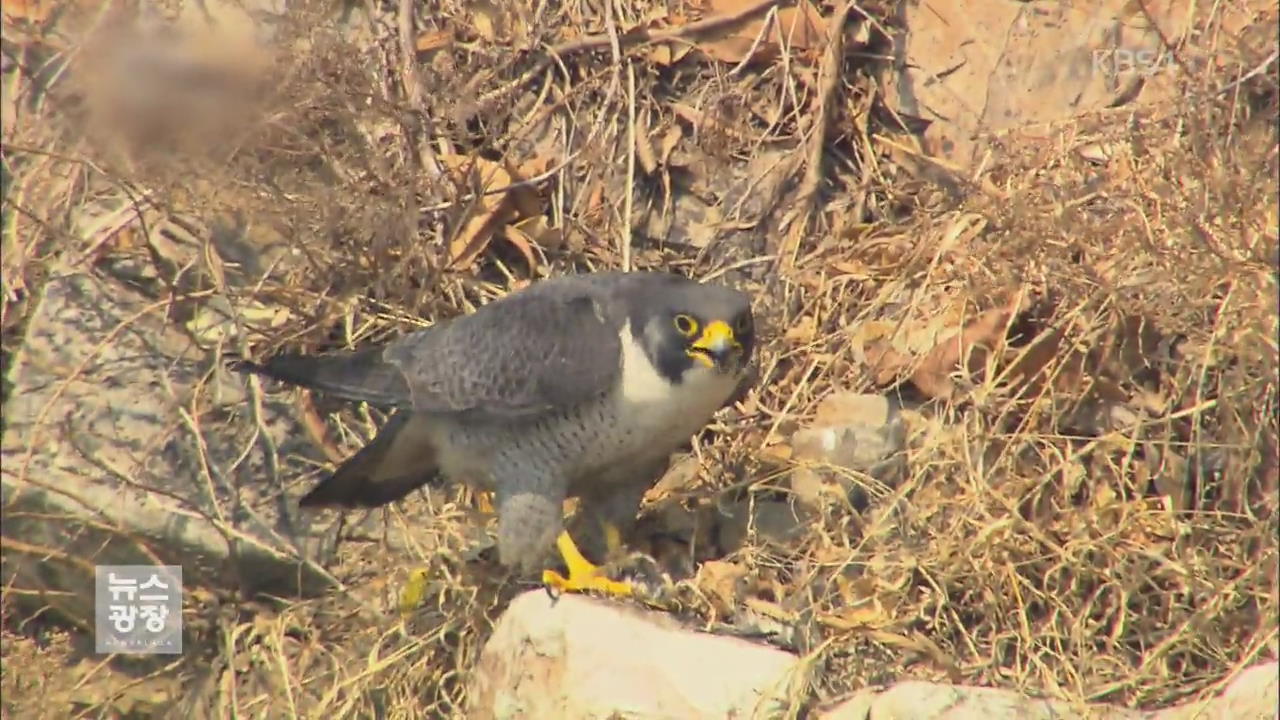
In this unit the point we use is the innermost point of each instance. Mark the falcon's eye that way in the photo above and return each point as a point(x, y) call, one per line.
point(686, 325)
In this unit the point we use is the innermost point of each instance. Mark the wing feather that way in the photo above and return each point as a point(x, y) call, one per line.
point(361, 376)
point(528, 353)
point(550, 346)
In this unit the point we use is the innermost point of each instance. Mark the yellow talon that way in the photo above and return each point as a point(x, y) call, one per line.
point(583, 575)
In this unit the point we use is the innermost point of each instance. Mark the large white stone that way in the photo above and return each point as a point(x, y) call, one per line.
point(579, 657)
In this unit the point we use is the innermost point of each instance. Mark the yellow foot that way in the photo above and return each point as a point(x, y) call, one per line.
point(413, 592)
point(583, 576)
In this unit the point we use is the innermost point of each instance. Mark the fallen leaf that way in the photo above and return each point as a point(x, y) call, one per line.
point(471, 241)
point(854, 268)
point(538, 229)
point(800, 27)
point(487, 20)
point(778, 454)
point(933, 375)
point(669, 142)
point(644, 149)
point(595, 202)
point(669, 53)
point(1028, 363)
point(803, 331)
point(721, 581)
point(488, 212)
point(680, 476)
point(429, 41)
point(521, 242)
point(872, 345)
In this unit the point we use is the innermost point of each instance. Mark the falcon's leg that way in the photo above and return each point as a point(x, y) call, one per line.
point(606, 517)
point(528, 522)
point(583, 576)
point(529, 499)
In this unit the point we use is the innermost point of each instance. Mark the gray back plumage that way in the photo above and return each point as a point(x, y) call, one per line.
point(552, 345)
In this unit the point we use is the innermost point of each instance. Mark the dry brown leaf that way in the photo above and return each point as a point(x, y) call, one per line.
point(538, 229)
point(595, 202)
point(436, 40)
point(778, 454)
point(644, 148)
point(489, 212)
point(854, 268)
point(534, 166)
point(800, 27)
point(933, 374)
point(669, 53)
point(474, 237)
point(526, 200)
point(487, 19)
point(721, 581)
point(688, 113)
point(873, 346)
point(802, 331)
point(1030, 362)
point(868, 614)
point(522, 243)
point(664, 54)
point(681, 476)
point(669, 142)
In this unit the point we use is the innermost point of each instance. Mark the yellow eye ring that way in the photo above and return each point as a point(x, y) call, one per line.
point(685, 325)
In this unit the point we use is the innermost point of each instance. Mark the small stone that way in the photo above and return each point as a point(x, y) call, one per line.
point(862, 433)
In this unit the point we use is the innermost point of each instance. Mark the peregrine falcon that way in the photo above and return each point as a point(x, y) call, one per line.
point(575, 386)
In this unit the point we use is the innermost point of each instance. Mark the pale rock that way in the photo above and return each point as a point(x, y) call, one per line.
point(860, 432)
point(579, 657)
point(98, 466)
point(1250, 696)
point(972, 70)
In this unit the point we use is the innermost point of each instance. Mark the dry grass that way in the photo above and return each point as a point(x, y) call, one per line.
point(1097, 523)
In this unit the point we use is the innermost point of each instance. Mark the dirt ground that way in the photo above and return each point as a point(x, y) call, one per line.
point(1082, 324)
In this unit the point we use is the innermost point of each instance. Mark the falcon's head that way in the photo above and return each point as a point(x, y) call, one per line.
point(691, 331)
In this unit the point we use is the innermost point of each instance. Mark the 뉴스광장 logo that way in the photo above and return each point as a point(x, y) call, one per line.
point(138, 609)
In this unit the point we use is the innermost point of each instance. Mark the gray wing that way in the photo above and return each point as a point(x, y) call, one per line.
point(527, 353)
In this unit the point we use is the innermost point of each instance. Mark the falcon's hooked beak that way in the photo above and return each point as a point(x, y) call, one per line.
point(716, 347)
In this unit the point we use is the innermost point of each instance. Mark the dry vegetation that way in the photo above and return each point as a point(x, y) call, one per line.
point(1090, 510)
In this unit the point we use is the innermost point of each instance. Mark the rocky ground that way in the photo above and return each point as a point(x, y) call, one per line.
point(1014, 418)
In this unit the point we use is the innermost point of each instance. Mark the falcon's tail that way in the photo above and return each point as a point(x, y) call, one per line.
point(399, 460)
point(362, 376)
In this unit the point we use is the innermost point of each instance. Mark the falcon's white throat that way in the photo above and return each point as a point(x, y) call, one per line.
point(653, 400)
